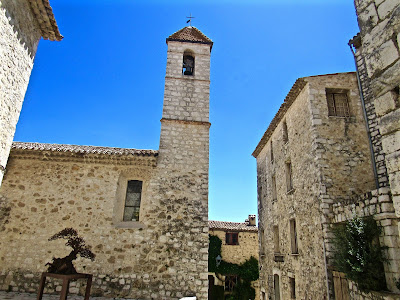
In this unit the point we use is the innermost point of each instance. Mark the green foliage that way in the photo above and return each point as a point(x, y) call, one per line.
point(358, 253)
point(244, 291)
point(214, 249)
point(249, 269)
point(247, 272)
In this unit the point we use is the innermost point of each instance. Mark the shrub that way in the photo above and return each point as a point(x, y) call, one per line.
point(358, 253)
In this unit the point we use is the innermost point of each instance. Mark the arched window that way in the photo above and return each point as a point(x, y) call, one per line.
point(188, 64)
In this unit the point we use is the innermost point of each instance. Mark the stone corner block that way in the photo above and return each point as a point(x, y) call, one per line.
point(385, 103)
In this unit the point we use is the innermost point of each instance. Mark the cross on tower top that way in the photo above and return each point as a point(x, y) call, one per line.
point(190, 20)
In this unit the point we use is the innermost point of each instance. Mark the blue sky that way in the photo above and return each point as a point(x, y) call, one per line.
point(103, 84)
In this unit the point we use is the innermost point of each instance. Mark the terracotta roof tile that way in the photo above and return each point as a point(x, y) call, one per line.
point(82, 149)
point(45, 17)
point(190, 34)
point(231, 226)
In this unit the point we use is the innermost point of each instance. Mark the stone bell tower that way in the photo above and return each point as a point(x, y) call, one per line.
point(182, 167)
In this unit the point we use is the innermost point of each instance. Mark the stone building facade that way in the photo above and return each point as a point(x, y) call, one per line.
point(144, 212)
point(314, 157)
point(378, 62)
point(239, 243)
point(22, 24)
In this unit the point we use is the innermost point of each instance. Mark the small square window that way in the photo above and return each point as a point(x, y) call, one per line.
point(232, 238)
point(338, 103)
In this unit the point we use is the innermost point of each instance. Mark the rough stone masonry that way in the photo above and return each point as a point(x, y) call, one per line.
point(163, 255)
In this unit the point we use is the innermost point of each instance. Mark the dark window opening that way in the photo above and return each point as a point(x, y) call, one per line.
point(277, 289)
point(292, 283)
point(132, 201)
point(272, 153)
point(338, 103)
point(232, 238)
point(285, 132)
point(293, 237)
point(231, 282)
point(274, 194)
point(188, 65)
point(275, 229)
point(289, 180)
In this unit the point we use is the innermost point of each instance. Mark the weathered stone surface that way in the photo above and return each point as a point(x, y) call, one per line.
point(161, 256)
point(369, 17)
point(238, 254)
point(379, 52)
point(387, 7)
point(19, 37)
point(390, 122)
point(330, 162)
point(385, 103)
point(381, 58)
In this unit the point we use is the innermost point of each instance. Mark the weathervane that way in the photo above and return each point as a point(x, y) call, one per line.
point(190, 20)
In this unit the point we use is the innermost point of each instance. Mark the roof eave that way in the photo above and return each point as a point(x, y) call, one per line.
point(297, 87)
point(46, 20)
point(186, 41)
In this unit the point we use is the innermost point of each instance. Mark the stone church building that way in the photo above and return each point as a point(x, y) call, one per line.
point(144, 212)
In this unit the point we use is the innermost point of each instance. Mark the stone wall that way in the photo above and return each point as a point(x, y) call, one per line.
point(379, 22)
point(331, 161)
point(164, 255)
point(19, 38)
point(377, 203)
point(181, 180)
point(301, 204)
point(238, 254)
point(370, 112)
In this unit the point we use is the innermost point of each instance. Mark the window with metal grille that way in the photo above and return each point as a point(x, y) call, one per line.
point(338, 103)
point(132, 200)
point(232, 238)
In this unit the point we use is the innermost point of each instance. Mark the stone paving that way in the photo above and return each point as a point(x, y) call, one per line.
point(27, 296)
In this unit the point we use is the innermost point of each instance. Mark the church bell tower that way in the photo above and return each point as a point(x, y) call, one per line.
point(184, 153)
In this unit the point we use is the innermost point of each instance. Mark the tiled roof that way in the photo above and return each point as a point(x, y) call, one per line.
point(47, 23)
point(190, 34)
point(291, 96)
point(231, 226)
point(82, 149)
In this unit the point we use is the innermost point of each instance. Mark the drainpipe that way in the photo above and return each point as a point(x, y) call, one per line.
point(365, 117)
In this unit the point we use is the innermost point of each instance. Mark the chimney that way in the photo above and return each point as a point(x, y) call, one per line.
point(252, 220)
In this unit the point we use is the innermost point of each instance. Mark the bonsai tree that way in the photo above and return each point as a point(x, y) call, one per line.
point(64, 265)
